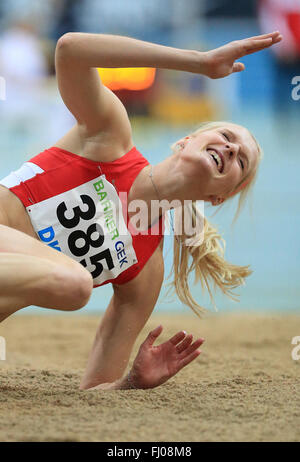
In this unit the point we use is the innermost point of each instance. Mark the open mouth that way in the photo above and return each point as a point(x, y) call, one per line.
point(218, 158)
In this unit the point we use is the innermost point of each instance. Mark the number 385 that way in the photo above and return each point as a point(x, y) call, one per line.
point(89, 241)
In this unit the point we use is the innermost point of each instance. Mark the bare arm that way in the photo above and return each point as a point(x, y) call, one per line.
point(99, 50)
point(126, 315)
point(97, 110)
point(114, 340)
point(154, 365)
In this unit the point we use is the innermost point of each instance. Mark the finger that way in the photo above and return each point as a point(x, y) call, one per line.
point(251, 44)
point(192, 347)
point(153, 335)
point(263, 47)
point(238, 67)
point(275, 38)
point(263, 36)
point(255, 46)
point(185, 343)
point(258, 43)
point(188, 359)
point(178, 337)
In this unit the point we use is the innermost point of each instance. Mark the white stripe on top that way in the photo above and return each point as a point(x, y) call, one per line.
point(26, 172)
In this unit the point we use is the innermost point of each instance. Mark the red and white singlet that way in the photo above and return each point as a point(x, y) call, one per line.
point(79, 207)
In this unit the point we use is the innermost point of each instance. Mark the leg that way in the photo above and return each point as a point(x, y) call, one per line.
point(32, 273)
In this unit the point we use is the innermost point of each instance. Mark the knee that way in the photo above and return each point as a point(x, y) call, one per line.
point(75, 289)
point(83, 286)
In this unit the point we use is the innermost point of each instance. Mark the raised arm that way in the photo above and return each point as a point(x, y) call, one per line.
point(98, 50)
point(97, 110)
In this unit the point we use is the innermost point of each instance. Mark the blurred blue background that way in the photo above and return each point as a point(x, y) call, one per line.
point(33, 117)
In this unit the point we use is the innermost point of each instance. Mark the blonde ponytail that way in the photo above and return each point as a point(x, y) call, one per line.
point(208, 264)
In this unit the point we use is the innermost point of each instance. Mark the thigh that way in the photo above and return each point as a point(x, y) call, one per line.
point(32, 273)
point(17, 234)
point(14, 241)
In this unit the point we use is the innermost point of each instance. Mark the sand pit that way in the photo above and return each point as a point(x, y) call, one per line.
point(244, 387)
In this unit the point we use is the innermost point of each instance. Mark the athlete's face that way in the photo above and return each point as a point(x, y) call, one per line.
point(222, 158)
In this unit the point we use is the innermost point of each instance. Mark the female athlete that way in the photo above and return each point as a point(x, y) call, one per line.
point(66, 227)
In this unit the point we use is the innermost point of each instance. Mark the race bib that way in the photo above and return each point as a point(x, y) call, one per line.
point(87, 224)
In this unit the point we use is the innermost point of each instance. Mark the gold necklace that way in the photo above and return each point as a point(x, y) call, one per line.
point(170, 214)
point(151, 178)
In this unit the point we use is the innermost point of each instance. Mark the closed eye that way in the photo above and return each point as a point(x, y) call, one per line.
point(228, 139)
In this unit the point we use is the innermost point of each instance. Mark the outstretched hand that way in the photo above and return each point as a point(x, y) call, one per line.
point(220, 62)
point(154, 365)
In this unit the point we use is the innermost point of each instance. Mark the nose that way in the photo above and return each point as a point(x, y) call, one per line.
point(231, 150)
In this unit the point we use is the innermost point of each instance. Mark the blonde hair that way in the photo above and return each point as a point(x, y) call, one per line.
point(207, 257)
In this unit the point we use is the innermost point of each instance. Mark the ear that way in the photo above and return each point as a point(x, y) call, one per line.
point(181, 143)
point(216, 200)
